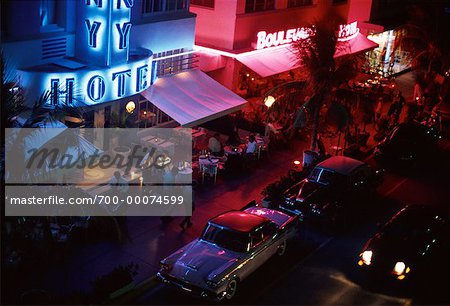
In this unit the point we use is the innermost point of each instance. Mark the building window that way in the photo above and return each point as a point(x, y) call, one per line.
point(149, 115)
point(47, 10)
point(173, 61)
point(205, 3)
point(297, 3)
point(259, 5)
point(159, 6)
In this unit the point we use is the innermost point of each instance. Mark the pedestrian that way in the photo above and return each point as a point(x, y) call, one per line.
point(378, 110)
point(118, 183)
point(320, 146)
point(188, 219)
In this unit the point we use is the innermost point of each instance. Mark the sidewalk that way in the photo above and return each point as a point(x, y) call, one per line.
point(150, 241)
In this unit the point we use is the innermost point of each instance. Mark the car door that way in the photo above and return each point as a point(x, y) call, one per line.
point(260, 250)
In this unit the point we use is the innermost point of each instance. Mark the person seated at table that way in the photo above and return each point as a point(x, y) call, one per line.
point(118, 183)
point(214, 145)
point(251, 145)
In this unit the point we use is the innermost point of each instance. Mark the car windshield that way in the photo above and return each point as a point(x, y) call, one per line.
point(409, 224)
point(225, 238)
point(323, 176)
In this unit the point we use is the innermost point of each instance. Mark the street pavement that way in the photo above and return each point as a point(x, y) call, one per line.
point(321, 269)
point(147, 240)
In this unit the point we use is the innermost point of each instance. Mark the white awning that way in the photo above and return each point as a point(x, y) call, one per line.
point(192, 98)
point(270, 61)
point(356, 45)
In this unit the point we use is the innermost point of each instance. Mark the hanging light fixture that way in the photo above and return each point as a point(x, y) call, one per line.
point(130, 107)
point(268, 101)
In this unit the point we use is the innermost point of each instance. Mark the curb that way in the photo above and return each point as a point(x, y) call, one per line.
point(140, 288)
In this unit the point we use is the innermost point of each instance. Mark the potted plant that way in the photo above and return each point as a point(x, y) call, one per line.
point(115, 283)
point(273, 193)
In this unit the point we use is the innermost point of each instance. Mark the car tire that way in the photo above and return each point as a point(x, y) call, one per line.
point(281, 250)
point(231, 290)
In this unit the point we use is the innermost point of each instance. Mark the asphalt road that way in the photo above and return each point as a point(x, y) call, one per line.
point(321, 269)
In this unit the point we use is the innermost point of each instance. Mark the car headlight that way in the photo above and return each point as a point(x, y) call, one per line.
point(366, 258)
point(400, 269)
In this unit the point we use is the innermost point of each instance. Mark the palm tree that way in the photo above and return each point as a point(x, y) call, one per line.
point(424, 42)
point(12, 98)
point(323, 71)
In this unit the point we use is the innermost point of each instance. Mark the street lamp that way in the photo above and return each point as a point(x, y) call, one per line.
point(269, 101)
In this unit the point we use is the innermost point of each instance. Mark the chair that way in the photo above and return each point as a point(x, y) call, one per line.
point(210, 170)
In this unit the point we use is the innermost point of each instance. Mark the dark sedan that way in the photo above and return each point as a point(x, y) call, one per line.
point(413, 242)
point(331, 189)
point(408, 144)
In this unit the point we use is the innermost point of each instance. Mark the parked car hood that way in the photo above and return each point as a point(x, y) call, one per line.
point(392, 248)
point(200, 259)
point(308, 189)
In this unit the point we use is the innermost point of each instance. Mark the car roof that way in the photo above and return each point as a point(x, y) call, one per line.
point(239, 221)
point(341, 164)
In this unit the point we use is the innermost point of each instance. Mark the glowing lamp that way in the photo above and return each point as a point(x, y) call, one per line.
point(130, 107)
point(268, 101)
point(297, 162)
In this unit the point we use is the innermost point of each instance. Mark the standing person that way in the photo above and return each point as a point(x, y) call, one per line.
point(320, 146)
point(378, 110)
point(188, 219)
point(401, 102)
point(118, 183)
point(214, 144)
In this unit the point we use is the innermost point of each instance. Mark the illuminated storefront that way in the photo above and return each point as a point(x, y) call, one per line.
point(272, 55)
point(104, 56)
point(388, 58)
point(247, 50)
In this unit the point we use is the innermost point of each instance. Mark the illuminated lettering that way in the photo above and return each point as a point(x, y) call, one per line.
point(261, 43)
point(99, 3)
point(128, 3)
point(124, 32)
point(290, 35)
point(121, 81)
point(154, 75)
point(56, 91)
point(141, 80)
point(266, 40)
point(96, 88)
point(92, 31)
point(348, 31)
point(69, 90)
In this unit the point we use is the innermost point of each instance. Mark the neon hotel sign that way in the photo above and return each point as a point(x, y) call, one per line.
point(107, 28)
point(267, 40)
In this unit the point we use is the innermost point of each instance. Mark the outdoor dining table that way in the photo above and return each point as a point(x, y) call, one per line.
point(228, 150)
point(205, 161)
point(185, 171)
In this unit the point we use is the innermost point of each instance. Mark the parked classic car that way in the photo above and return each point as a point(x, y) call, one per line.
point(408, 144)
point(231, 247)
point(331, 188)
point(413, 242)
